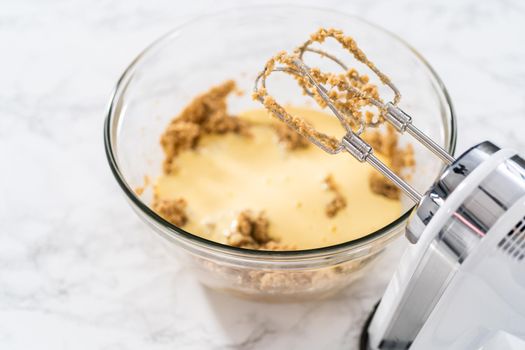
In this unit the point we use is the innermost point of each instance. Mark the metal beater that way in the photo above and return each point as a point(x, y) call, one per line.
point(352, 142)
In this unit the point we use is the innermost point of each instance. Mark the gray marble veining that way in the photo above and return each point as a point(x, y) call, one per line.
point(77, 268)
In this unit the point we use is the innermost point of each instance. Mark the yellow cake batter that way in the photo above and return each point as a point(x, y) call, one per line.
point(230, 173)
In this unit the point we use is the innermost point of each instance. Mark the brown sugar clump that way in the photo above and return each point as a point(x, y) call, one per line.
point(178, 136)
point(338, 202)
point(384, 143)
point(204, 105)
point(173, 211)
point(252, 232)
point(335, 205)
point(249, 231)
point(383, 186)
point(206, 114)
point(221, 123)
point(289, 137)
point(401, 159)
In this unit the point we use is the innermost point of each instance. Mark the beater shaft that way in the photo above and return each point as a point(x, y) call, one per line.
point(403, 122)
point(358, 148)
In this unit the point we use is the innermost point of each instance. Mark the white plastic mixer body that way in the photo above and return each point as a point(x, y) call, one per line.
point(461, 284)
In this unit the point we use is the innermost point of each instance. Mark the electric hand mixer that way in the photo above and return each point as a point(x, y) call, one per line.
point(461, 283)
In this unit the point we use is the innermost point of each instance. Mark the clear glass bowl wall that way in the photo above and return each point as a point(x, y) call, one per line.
point(234, 45)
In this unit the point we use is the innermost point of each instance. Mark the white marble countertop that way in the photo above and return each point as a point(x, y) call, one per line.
point(78, 270)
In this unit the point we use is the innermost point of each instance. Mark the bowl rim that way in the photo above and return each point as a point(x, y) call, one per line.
point(178, 233)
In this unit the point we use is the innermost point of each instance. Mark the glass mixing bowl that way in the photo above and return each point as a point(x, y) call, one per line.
point(235, 44)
